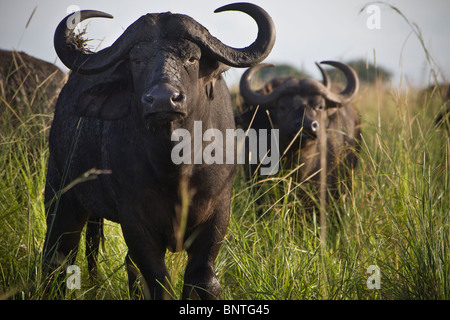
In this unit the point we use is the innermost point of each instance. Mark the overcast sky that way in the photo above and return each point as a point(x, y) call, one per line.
point(307, 31)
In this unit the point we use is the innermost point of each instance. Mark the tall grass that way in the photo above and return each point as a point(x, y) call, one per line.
point(394, 215)
point(23, 154)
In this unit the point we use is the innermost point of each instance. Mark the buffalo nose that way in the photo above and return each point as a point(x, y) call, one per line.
point(163, 98)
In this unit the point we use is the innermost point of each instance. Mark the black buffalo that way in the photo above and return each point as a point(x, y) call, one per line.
point(28, 81)
point(299, 109)
point(117, 114)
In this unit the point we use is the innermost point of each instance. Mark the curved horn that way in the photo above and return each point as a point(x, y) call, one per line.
point(244, 57)
point(256, 98)
point(352, 87)
point(325, 78)
point(74, 58)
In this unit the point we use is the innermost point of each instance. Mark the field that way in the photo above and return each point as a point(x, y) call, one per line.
point(394, 216)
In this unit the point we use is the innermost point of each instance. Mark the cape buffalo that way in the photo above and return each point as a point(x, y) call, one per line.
point(116, 114)
point(26, 81)
point(299, 108)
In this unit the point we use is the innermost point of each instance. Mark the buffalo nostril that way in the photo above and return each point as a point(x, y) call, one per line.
point(315, 126)
point(148, 98)
point(163, 94)
point(178, 97)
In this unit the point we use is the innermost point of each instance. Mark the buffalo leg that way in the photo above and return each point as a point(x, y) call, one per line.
point(133, 278)
point(65, 221)
point(94, 234)
point(200, 280)
point(149, 258)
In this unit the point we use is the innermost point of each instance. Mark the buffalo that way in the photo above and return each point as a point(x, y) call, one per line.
point(300, 109)
point(113, 126)
point(28, 81)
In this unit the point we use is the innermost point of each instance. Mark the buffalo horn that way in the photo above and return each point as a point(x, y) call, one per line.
point(257, 98)
point(89, 63)
point(74, 58)
point(350, 90)
point(258, 50)
point(294, 85)
point(325, 78)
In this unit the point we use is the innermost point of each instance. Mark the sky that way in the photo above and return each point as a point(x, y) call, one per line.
point(307, 31)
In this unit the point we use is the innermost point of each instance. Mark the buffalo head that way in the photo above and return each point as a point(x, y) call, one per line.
point(164, 62)
point(298, 103)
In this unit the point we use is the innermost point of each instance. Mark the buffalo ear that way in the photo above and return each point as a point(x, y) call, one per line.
point(109, 99)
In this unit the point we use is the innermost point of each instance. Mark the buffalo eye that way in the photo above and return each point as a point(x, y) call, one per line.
point(136, 62)
point(316, 103)
point(318, 106)
point(192, 60)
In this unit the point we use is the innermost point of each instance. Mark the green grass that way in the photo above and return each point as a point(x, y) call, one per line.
point(395, 216)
